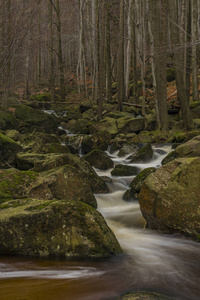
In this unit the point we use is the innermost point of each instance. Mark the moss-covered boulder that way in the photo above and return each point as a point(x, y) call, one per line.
point(107, 124)
point(54, 229)
point(40, 162)
point(81, 126)
point(60, 183)
point(8, 150)
point(14, 184)
point(142, 155)
point(115, 126)
point(99, 140)
point(169, 197)
point(35, 120)
point(129, 148)
point(66, 182)
point(196, 112)
point(143, 295)
point(136, 184)
point(99, 159)
point(8, 120)
point(124, 170)
point(74, 142)
point(189, 149)
point(42, 143)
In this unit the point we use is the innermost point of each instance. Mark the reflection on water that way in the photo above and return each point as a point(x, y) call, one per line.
point(169, 264)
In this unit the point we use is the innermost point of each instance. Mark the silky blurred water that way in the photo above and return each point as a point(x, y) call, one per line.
point(164, 263)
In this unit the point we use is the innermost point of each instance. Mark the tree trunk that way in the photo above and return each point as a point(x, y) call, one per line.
point(51, 52)
point(134, 54)
point(195, 88)
point(178, 58)
point(121, 58)
point(60, 55)
point(108, 54)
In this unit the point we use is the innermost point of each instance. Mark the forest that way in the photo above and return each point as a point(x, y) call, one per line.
point(99, 149)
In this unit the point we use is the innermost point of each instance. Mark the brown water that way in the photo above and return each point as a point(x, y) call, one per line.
point(168, 264)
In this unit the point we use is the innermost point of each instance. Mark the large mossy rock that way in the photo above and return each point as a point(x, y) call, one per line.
point(8, 151)
point(99, 140)
point(40, 162)
point(119, 125)
point(65, 182)
point(54, 229)
point(8, 120)
point(42, 143)
point(35, 120)
point(77, 182)
point(144, 296)
point(124, 170)
point(142, 155)
point(99, 159)
point(136, 184)
point(169, 198)
point(188, 149)
point(80, 126)
point(14, 184)
point(129, 148)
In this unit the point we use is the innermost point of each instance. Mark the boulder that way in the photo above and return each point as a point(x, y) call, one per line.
point(124, 170)
point(169, 197)
point(99, 140)
point(144, 295)
point(8, 120)
point(8, 150)
point(136, 184)
point(63, 229)
point(58, 183)
point(188, 149)
point(14, 184)
point(99, 160)
point(40, 162)
point(142, 155)
point(81, 126)
point(129, 148)
point(66, 182)
point(35, 120)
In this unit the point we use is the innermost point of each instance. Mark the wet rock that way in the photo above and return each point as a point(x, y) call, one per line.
point(136, 184)
point(54, 229)
point(35, 120)
point(99, 140)
point(188, 149)
point(144, 296)
point(169, 198)
point(99, 160)
point(129, 148)
point(8, 151)
point(40, 162)
point(58, 183)
point(124, 170)
point(142, 155)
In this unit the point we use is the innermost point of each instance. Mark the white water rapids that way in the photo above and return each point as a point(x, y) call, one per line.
point(164, 263)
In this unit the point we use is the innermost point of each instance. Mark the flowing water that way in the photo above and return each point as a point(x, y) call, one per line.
point(164, 263)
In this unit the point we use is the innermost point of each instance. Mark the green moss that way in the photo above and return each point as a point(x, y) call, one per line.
point(44, 97)
point(13, 183)
point(4, 139)
point(194, 104)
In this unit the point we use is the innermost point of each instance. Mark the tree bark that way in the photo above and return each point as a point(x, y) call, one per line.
point(121, 58)
point(178, 58)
